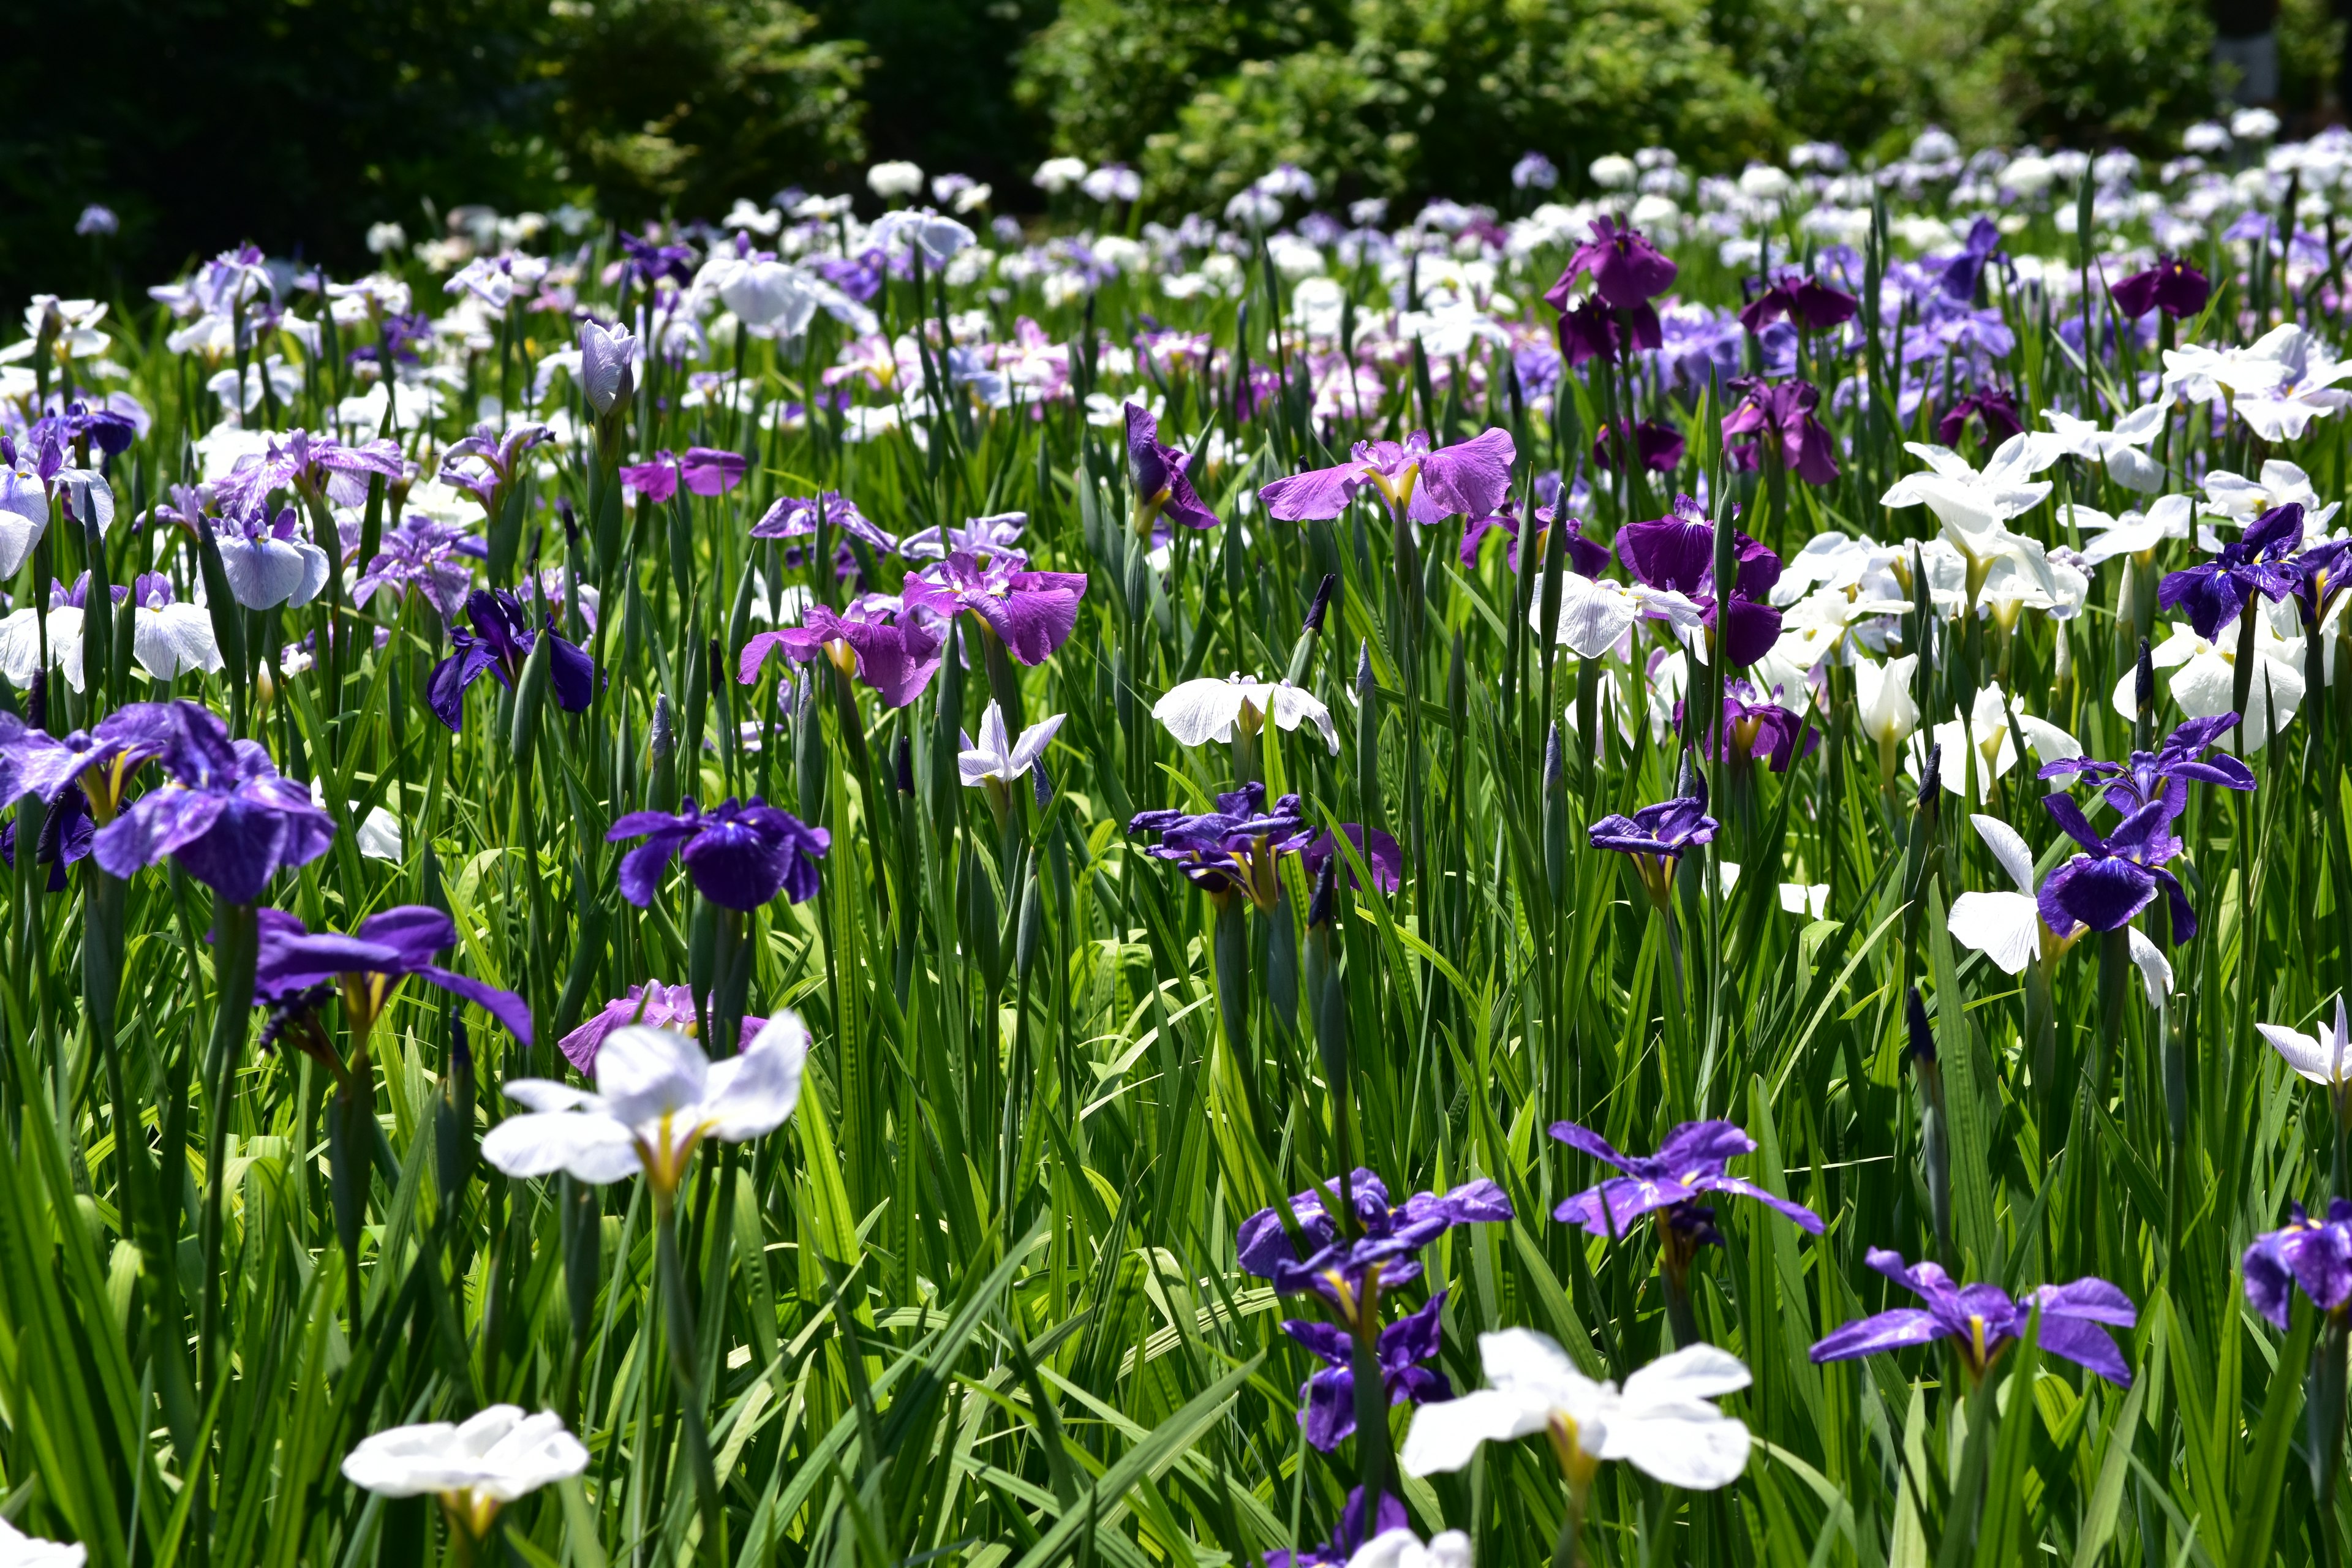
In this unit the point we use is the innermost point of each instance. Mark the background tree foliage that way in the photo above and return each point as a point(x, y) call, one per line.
point(297, 122)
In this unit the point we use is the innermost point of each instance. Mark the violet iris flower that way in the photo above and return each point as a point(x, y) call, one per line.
point(1755, 726)
point(1657, 445)
point(1328, 1398)
point(311, 465)
point(1382, 855)
point(1350, 1270)
point(225, 814)
point(796, 517)
point(1468, 478)
point(649, 262)
point(2116, 877)
point(1677, 552)
point(1034, 612)
point(498, 460)
point(1808, 301)
point(1585, 558)
point(1995, 407)
point(1780, 418)
point(704, 470)
point(100, 759)
point(1656, 836)
point(369, 964)
point(1350, 1535)
point(653, 1004)
point(739, 855)
point(66, 834)
point(2258, 561)
point(1670, 1183)
point(1981, 1319)
point(1163, 489)
point(431, 557)
point(2171, 286)
point(998, 534)
point(1233, 849)
point(1627, 272)
point(895, 653)
point(500, 642)
point(2313, 1253)
point(110, 430)
point(1591, 331)
point(1963, 272)
point(2163, 776)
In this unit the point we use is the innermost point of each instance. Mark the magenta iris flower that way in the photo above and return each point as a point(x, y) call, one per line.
point(2171, 286)
point(1808, 301)
point(1328, 1398)
point(1677, 552)
point(1627, 270)
point(1349, 1272)
point(1981, 1321)
point(703, 470)
point(1034, 612)
point(499, 644)
point(2260, 562)
point(386, 949)
point(1158, 470)
point(739, 855)
point(2114, 878)
point(2315, 1254)
point(225, 814)
point(1468, 478)
point(2163, 776)
point(1784, 430)
point(1688, 1165)
point(894, 652)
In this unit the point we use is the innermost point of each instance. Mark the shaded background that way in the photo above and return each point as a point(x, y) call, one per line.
point(295, 123)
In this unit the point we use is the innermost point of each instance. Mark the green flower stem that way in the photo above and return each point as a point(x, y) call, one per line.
point(678, 1324)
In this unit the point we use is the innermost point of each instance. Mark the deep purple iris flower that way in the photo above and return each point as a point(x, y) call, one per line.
point(1468, 478)
point(1592, 330)
point(1993, 407)
point(1810, 303)
point(1981, 1319)
point(110, 430)
point(1755, 726)
point(1376, 1253)
point(1350, 1535)
point(1585, 558)
point(66, 834)
point(2315, 1254)
point(1627, 273)
point(227, 814)
point(1161, 485)
point(433, 558)
point(366, 966)
point(2116, 877)
point(895, 653)
point(1233, 849)
point(739, 855)
point(796, 517)
point(499, 644)
point(1328, 1398)
point(2260, 562)
point(2163, 776)
point(1677, 552)
point(1779, 419)
point(2171, 286)
point(704, 470)
point(1658, 837)
point(1034, 612)
point(1963, 272)
point(1657, 445)
point(649, 262)
point(1688, 1165)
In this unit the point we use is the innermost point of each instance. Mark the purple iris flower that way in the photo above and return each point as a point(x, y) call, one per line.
point(33, 761)
point(430, 557)
point(312, 465)
point(227, 814)
point(1688, 1163)
point(654, 1004)
point(796, 517)
point(1585, 558)
point(1349, 1534)
point(1233, 849)
point(1382, 855)
point(1657, 445)
point(499, 644)
point(739, 855)
point(1981, 1319)
point(66, 833)
point(2258, 561)
point(2163, 776)
point(1591, 331)
point(1963, 272)
point(1806, 300)
point(401, 333)
point(1468, 478)
point(895, 653)
point(2116, 877)
point(1627, 272)
point(1755, 726)
point(704, 470)
point(1993, 407)
point(1161, 485)
point(110, 430)
point(1328, 1398)
point(2171, 286)
point(1350, 1270)
point(1034, 612)
point(1780, 417)
point(1677, 552)
point(366, 966)
point(1657, 836)
point(499, 459)
point(2313, 1253)
point(649, 262)
point(999, 534)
